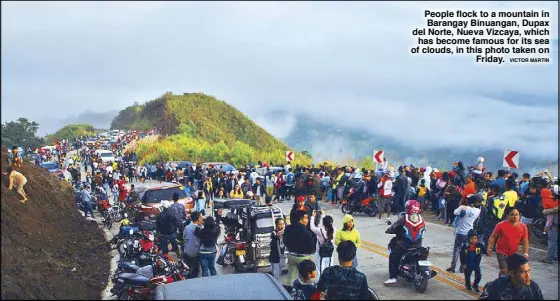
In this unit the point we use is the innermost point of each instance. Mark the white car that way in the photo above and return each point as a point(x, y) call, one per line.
point(106, 155)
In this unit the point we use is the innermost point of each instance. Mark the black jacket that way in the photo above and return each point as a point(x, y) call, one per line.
point(166, 222)
point(207, 238)
point(464, 255)
point(503, 289)
point(275, 242)
point(263, 189)
point(298, 239)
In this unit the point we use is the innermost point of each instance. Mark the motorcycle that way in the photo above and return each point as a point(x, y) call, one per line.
point(367, 206)
point(414, 267)
point(232, 253)
point(133, 286)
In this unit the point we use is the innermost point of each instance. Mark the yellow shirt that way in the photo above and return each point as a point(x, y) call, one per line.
point(511, 197)
point(422, 190)
point(237, 195)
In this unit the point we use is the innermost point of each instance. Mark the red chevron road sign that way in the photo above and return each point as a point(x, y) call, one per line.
point(289, 156)
point(511, 159)
point(378, 155)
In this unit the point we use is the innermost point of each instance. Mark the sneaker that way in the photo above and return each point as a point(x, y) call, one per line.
point(468, 287)
point(476, 290)
point(390, 281)
point(545, 260)
point(461, 270)
point(450, 270)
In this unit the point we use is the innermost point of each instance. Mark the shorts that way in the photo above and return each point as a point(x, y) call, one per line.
point(20, 186)
point(384, 204)
point(502, 261)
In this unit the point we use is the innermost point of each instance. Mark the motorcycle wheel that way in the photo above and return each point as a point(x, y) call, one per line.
point(421, 283)
point(345, 208)
point(117, 216)
point(373, 211)
point(538, 228)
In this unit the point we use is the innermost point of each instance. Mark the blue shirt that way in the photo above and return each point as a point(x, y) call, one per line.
point(500, 182)
point(86, 196)
point(523, 187)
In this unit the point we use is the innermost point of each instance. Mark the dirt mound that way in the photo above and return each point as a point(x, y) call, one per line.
point(49, 251)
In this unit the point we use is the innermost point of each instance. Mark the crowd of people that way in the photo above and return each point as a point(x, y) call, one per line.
point(491, 212)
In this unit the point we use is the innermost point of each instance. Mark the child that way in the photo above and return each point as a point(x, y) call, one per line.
point(470, 260)
point(304, 287)
point(277, 258)
point(422, 191)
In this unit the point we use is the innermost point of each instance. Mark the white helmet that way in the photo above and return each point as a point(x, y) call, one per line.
point(480, 160)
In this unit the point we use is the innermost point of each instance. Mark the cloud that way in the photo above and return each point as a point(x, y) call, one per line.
point(346, 62)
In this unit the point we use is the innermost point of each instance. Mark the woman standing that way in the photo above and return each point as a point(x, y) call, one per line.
point(277, 257)
point(348, 232)
point(325, 233)
point(208, 236)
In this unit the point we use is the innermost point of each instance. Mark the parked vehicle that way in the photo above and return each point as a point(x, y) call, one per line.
point(151, 197)
point(248, 228)
point(222, 166)
point(251, 286)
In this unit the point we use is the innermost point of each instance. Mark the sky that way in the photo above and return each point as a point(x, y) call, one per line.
point(345, 62)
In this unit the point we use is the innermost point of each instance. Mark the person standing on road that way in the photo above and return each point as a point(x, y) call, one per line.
point(208, 236)
point(180, 214)
point(471, 254)
point(467, 215)
point(277, 258)
point(87, 201)
point(506, 236)
point(344, 281)
point(325, 241)
point(19, 180)
point(550, 206)
point(192, 245)
point(348, 232)
point(496, 205)
point(517, 285)
point(528, 207)
point(166, 225)
point(300, 242)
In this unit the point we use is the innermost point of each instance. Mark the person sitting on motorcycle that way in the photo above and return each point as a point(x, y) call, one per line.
point(409, 229)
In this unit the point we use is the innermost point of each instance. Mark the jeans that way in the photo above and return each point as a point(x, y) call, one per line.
point(207, 263)
point(552, 250)
point(477, 276)
point(88, 208)
point(394, 261)
point(165, 240)
point(194, 265)
point(329, 194)
point(334, 196)
point(460, 239)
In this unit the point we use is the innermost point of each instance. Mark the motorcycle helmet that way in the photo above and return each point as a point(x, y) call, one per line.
point(412, 206)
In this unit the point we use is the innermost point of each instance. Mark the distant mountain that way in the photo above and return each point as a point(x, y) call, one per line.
point(335, 142)
point(100, 120)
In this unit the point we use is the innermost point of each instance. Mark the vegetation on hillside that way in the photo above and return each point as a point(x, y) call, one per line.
point(202, 128)
point(21, 132)
point(70, 132)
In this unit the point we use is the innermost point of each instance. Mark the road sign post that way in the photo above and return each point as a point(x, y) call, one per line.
point(511, 159)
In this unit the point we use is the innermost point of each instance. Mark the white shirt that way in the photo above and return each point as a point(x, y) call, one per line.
point(95, 165)
point(109, 168)
point(466, 223)
point(320, 231)
point(258, 190)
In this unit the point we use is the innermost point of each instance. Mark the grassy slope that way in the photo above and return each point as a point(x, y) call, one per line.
point(71, 131)
point(204, 128)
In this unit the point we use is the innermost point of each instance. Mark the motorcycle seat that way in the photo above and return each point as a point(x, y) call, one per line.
point(133, 279)
point(128, 266)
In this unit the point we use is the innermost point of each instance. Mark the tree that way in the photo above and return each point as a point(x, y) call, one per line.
point(21, 133)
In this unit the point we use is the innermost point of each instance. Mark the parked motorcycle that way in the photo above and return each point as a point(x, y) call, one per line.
point(232, 253)
point(133, 286)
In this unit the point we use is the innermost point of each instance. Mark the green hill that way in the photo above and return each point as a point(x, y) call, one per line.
point(70, 132)
point(199, 128)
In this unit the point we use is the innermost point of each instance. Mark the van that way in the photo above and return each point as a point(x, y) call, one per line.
point(106, 155)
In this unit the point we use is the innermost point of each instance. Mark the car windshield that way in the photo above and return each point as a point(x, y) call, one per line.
point(157, 195)
point(106, 155)
point(49, 166)
point(225, 167)
point(265, 223)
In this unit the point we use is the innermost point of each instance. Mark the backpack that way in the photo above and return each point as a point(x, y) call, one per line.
point(290, 179)
point(327, 248)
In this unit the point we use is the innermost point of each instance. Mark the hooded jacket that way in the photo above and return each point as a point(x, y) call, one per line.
point(351, 235)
